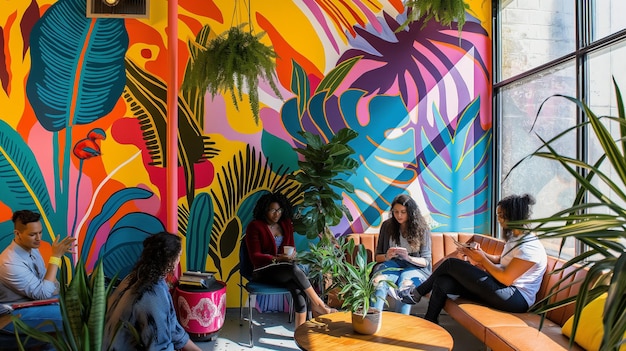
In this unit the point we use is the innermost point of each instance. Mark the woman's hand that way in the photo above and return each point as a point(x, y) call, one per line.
point(284, 258)
point(475, 255)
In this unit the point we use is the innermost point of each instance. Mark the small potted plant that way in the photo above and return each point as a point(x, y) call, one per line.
point(357, 283)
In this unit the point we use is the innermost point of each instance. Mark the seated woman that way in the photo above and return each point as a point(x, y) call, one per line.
point(508, 282)
point(142, 301)
point(266, 237)
point(404, 244)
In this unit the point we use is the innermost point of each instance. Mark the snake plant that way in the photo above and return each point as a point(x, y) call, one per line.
point(83, 307)
point(594, 219)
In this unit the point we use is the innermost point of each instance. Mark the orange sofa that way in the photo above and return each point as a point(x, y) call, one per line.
point(496, 329)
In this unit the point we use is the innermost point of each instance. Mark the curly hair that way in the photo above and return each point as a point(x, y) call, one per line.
point(23, 217)
point(263, 205)
point(515, 208)
point(417, 226)
point(158, 258)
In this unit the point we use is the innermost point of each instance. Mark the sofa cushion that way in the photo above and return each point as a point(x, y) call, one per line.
point(590, 329)
point(527, 338)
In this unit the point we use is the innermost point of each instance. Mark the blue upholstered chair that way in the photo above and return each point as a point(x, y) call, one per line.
point(255, 289)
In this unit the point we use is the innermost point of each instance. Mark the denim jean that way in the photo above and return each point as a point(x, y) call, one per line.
point(457, 277)
point(407, 274)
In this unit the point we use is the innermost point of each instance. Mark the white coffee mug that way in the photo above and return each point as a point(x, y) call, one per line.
point(289, 250)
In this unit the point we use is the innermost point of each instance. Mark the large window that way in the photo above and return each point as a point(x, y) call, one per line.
point(573, 48)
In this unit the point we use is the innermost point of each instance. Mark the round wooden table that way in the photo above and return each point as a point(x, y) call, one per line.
point(398, 332)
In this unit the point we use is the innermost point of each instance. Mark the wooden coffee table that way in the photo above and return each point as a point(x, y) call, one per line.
point(398, 332)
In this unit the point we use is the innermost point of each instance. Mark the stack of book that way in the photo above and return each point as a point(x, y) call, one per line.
point(197, 279)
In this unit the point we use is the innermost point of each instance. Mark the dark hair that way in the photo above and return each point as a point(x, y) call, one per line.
point(159, 254)
point(23, 217)
point(263, 205)
point(417, 226)
point(515, 208)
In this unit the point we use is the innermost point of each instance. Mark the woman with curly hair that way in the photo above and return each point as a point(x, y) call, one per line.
point(142, 302)
point(404, 245)
point(508, 282)
point(266, 238)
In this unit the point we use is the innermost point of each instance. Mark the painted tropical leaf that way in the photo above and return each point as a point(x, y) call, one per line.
point(22, 184)
point(125, 242)
point(455, 181)
point(192, 94)
point(147, 96)
point(199, 232)
point(246, 174)
point(77, 72)
point(109, 209)
point(414, 61)
point(300, 86)
point(376, 147)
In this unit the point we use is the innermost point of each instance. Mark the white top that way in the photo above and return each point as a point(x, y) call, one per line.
point(530, 250)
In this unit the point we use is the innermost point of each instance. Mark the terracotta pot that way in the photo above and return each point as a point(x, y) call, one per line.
point(368, 324)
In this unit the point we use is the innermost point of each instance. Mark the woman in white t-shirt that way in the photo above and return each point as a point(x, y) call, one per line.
point(508, 282)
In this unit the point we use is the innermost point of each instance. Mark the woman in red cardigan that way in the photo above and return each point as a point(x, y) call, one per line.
point(267, 238)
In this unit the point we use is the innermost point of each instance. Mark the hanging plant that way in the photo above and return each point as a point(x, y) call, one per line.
point(231, 60)
point(443, 11)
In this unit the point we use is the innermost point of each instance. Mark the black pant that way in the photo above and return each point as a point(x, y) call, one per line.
point(457, 277)
point(289, 275)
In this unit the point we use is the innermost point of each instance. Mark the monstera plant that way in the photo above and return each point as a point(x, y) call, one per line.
point(320, 178)
point(594, 219)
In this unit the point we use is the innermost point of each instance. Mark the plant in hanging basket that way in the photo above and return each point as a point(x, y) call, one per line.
point(230, 60)
point(443, 11)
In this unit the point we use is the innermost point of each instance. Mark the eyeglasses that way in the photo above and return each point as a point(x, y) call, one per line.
point(275, 210)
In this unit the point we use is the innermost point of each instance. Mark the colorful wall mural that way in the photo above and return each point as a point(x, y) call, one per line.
point(84, 118)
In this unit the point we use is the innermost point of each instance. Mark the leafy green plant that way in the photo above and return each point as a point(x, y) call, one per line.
point(357, 281)
point(320, 174)
point(321, 258)
point(595, 219)
point(83, 307)
point(443, 11)
point(230, 60)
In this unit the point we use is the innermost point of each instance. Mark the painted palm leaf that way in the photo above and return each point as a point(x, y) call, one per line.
point(77, 72)
point(21, 182)
point(147, 96)
point(455, 181)
point(246, 174)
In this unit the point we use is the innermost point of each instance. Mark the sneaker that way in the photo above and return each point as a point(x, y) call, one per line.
point(405, 294)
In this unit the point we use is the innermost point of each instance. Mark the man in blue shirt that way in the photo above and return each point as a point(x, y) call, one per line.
point(25, 277)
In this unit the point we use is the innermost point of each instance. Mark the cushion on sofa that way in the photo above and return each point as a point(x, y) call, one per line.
point(590, 329)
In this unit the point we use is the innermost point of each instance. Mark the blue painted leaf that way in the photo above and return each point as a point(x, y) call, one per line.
point(300, 86)
point(77, 71)
point(22, 184)
point(455, 182)
point(110, 207)
point(199, 232)
point(125, 242)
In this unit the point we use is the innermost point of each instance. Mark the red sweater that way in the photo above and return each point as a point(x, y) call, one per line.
point(261, 244)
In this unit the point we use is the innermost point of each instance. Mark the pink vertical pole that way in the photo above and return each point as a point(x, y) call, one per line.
point(172, 118)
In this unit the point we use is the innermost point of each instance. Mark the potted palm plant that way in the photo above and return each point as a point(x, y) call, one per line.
point(596, 220)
